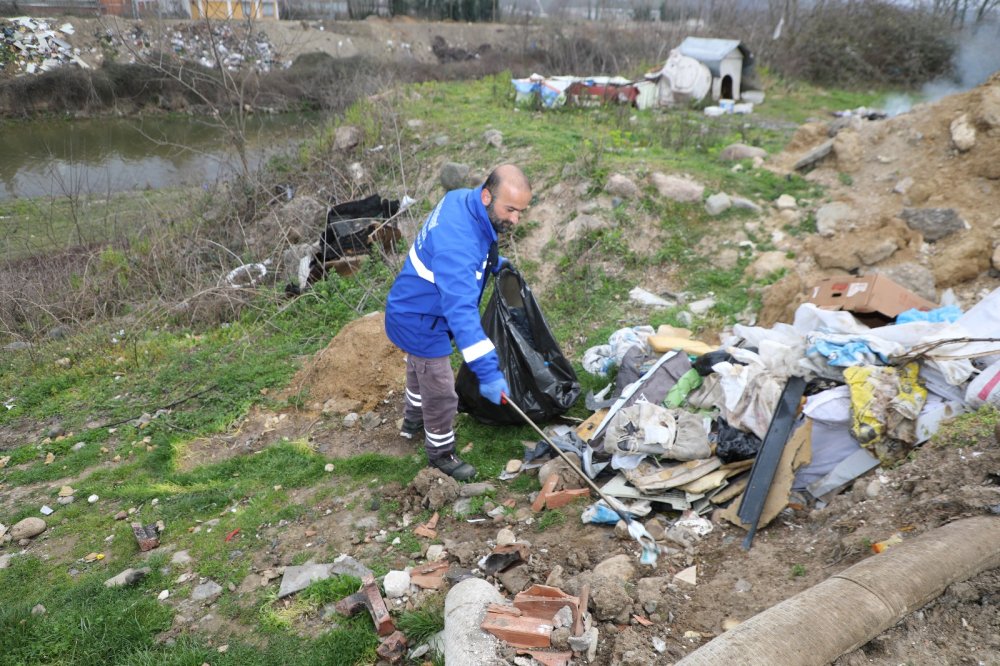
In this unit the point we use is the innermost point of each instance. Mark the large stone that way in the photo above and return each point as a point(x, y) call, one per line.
point(609, 599)
point(963, 133)
point(878, 251)
point(834, 217)
point(847, 146)
point(718, 203)
point(677, 188)
point(454, 176)
point(581, 224)
point(206, 591)
point(918, 279)
point(933, 223)
point(649, 592)
point(618, 566)
point(621, 186)
point(741, 151)
point(27, 528)
point(963, 258)
point(346, 137)
point(786, 202)
point(127, 577)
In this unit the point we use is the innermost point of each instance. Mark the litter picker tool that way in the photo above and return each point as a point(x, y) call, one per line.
point(650, 550)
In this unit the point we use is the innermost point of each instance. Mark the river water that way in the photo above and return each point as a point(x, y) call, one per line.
point(42, 158)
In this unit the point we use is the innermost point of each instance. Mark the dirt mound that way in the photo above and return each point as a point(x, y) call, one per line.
point(358, 369)
point(941, 155)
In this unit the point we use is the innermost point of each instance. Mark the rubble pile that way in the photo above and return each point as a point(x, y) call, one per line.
point(232, 46)
point(32, 45)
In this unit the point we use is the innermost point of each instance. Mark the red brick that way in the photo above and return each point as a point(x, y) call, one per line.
point(526, 632)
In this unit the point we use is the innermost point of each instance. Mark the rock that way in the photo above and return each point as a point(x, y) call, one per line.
point(346, 137)
point(649, 592)
point(5, 560)
point(746, 204)
point(849, 151)
point(206, 591)
point(27, 528)
point(741, 151)
point(701, 306)
point(834, 217)
point(677, 188)
point(769, 263)
point(437, 489)
point(465, 553)
point(513, 466)
point(581, 224)
point(181, 558)
point(963, 133)
point(560, 638)
point(718, 203)
point(742, 586)
point(462, 507)
point(92, 499)
point(66, 500)
point(786, 202)
point(962, 258)
point(396, 584)
point(476, 489)
point(127, 577)
point(918, 279)
point(618, 566)
point(435, 552)
point(610, 600)
point(506, 536)
point(903, 185)
point(814, 155)
point(38, 609)
point(515, 579)
point(370, 421)
point(585, 644)
point(995, 259)
point(621, 186)
point(689, 575)
point(878, 251)
point(933, 223)
point(493, 138)
point(454, 176)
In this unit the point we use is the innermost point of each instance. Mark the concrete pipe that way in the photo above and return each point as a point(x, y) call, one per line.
point(850, 608)
point(465, 643)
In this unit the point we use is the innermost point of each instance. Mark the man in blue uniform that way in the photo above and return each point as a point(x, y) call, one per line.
point(435, 300)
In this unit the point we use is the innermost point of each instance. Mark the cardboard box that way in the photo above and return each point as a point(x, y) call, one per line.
point(876, 298)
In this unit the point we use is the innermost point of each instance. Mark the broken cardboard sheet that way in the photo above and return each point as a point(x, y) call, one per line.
point(619, 488)
point(648, 477)
point(797, 452)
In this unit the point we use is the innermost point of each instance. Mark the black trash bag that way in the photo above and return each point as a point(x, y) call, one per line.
point(542, 381)
point(733, 444)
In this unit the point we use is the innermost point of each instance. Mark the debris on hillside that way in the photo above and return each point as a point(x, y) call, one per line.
point(35, 45)
point(220, 44)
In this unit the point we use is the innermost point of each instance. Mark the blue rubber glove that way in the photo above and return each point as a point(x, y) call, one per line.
point(494, 390)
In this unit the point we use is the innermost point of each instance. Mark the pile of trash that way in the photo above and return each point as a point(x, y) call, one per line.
point(790, 414)
point(34, 45)
point(229, 45)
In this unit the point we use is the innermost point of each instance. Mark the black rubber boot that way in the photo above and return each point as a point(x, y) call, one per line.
point(454, 467)
point(411, 429)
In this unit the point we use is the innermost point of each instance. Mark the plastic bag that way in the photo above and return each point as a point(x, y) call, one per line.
point(542, 381)
point(733, 444)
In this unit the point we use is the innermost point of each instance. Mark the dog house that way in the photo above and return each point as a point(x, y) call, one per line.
point(730, 63)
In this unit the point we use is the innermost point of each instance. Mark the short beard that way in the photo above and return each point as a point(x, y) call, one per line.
point(500, 226)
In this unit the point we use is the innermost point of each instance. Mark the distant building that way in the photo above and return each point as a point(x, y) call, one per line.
point(235, 9)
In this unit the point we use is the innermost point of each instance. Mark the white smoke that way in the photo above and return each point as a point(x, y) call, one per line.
point(978, 57)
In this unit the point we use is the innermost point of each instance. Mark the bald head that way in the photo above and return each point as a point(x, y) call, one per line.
point(506, 194)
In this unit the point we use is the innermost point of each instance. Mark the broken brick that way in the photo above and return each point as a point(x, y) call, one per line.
point(564, 497)
point(544, 601)
point(526, 632)
point(543, 494)
point(430, 575)
point(425, 532)
point(548, 658)
point(642, 620)
point(503, 609)
point(393, 647)
point(584, 600)
point(368, 597)
point(147, 536)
